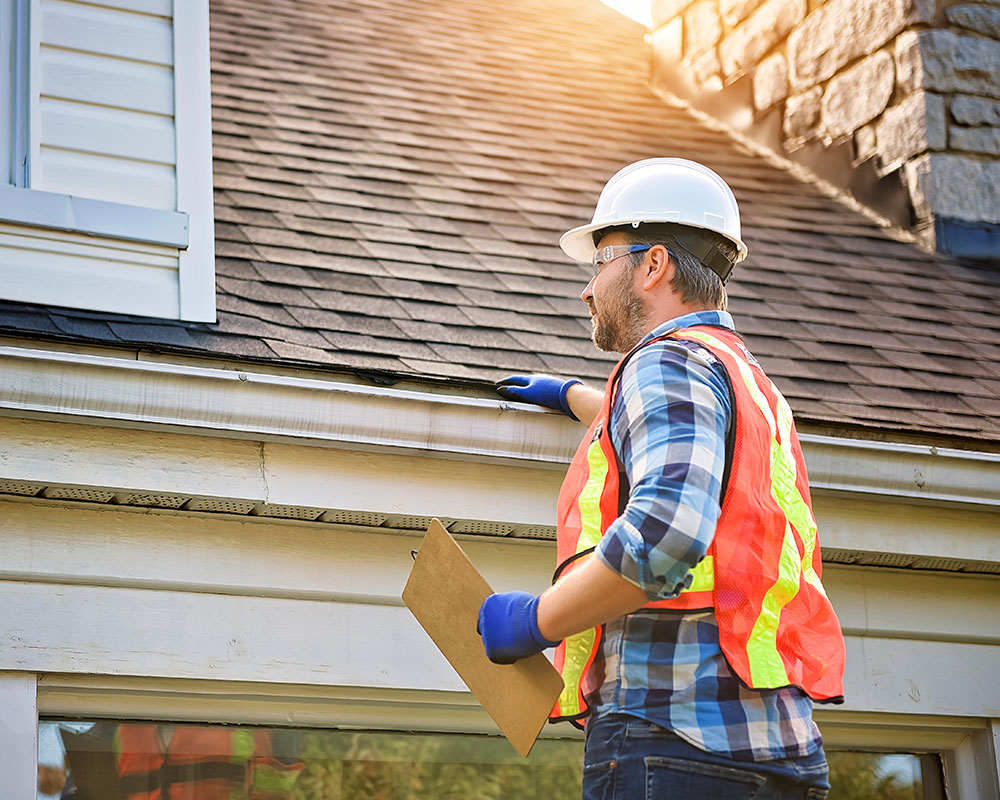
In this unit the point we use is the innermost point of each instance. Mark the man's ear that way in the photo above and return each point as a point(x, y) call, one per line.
point(658, 267)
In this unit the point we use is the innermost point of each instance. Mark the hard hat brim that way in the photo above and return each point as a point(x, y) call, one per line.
point(578, 243)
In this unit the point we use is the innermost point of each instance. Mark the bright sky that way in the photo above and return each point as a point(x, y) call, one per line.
point(634, 9)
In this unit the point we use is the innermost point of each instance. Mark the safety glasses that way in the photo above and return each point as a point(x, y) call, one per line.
point(613, 251)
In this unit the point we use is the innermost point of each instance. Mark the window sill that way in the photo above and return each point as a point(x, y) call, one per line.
point(93, 217)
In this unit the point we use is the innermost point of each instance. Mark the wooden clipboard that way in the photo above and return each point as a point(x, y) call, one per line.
point(444, 592)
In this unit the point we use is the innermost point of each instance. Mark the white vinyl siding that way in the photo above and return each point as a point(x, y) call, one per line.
point(107, 105)
point(84, 266)
point(116, 141)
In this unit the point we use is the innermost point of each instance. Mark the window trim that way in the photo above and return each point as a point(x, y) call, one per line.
point(968, 746)
point(64, 212)
point(193, 131)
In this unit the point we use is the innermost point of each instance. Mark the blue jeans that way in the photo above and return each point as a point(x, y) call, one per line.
point(627, 758)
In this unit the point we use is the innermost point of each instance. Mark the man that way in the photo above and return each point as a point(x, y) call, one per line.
point(693, 630)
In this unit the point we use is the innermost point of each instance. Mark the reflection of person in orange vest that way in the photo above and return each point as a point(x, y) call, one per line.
point(692, 626)
point(194, 762)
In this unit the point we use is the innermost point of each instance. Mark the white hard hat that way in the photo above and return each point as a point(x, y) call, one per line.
point(660, 190)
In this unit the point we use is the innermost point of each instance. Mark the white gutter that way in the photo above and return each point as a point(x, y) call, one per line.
point(75, 387)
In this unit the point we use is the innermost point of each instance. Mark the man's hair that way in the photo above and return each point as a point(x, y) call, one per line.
point(693, 281)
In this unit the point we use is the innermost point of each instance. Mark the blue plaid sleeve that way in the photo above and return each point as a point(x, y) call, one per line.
point(668, 427)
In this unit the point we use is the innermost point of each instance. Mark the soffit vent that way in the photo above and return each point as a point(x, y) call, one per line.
point(885, 559)
point(405, 522)
point(480, 527)
point(947, 564)
point(151, 500)
point(286, 512)
point(353, 518)
point(221, 505)
point(839, 556)
point(21, 488)
point(534, 532)
point(73, 493)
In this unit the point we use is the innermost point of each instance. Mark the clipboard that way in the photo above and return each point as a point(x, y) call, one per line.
point(444, 592)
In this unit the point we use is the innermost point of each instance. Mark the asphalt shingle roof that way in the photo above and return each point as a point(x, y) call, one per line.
point(392, 177)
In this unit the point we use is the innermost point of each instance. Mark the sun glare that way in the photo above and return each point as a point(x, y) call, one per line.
point(633, 9)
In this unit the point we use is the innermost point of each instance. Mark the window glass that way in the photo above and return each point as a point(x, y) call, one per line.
point(111, 761)
point(108, 760)
point(885, 776)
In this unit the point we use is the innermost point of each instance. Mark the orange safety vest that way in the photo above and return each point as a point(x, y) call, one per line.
point(761, 575)
point(201, 763)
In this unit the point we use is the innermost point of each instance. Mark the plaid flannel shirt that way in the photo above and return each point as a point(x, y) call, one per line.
point(668, 426)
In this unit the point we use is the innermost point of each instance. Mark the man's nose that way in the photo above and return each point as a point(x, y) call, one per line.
point(587, 294)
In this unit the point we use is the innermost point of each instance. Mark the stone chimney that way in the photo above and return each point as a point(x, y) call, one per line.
point(896, 101)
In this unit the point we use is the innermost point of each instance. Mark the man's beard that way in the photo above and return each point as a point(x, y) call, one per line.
point(620, 321)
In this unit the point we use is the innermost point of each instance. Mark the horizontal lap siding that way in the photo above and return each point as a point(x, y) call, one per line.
point(84, 266)
point(109, 591)
point(106, 105)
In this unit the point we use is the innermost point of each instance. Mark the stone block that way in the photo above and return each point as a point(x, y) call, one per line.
point(976, 140)
point(956, 186)
point(909, 128)
point(864, 143)
point(802, 114)
point(840, 31)
point(703, 71)
point(946, 61)
point(734, 11)
point(982, 19)
point(665, 10)
point(762, 30)
point(666, 43)
point(909, 63)
point(770, 82)
point(702, 27)
point(857, 95)
point(975, 110)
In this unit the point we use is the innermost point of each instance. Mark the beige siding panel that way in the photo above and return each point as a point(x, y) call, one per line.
point(82, 271)
point(101, 80)
point(218, 555)
point(136, 183)
point(57, 241)
point(108, 131)
point(159, 8)
point(112, 32)
point(107, 103)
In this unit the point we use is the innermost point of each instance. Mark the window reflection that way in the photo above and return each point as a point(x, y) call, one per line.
point(128, 761)
point(885, 776)
point(109, 760)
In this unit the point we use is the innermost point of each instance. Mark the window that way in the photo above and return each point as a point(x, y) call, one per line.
point(102, 758)
point(107, 197)
point(885, 776)
point(130, 759)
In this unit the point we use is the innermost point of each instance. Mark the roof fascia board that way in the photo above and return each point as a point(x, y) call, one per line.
point(249, 405)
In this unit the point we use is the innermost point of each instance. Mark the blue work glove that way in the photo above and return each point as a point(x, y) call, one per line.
point(508, 623)
point(542, 390)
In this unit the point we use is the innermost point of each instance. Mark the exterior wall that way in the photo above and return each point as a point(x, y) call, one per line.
point(150, 569)
point(911, 88)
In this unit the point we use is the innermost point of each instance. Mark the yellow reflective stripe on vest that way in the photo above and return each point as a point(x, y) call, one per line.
point(766, 666)
point(579, 646)
point(590, 498)
point(796, 508)
point(578, 649)
point(702, 576)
